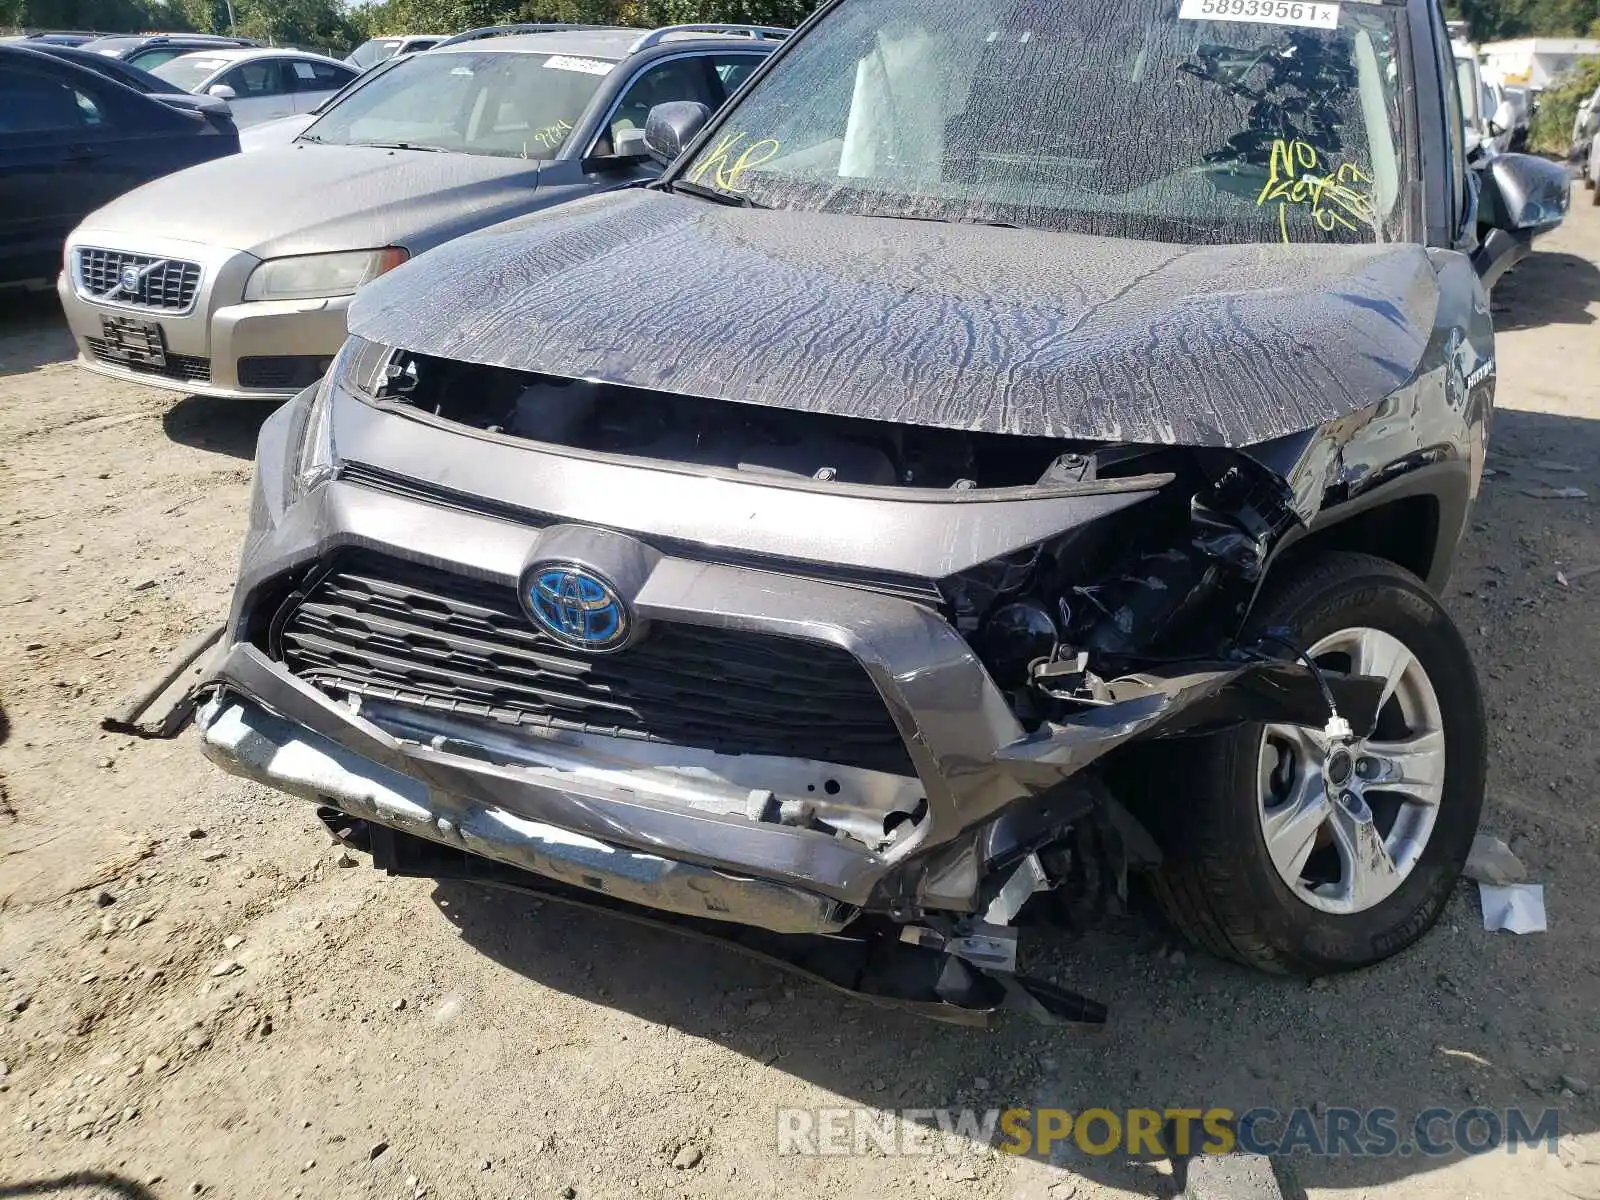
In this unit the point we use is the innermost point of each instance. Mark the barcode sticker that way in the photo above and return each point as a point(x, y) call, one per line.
point(588, 66)
point(1307, 14)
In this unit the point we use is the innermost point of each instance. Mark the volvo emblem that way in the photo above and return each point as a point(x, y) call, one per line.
point(576, 607)
point(130, 278)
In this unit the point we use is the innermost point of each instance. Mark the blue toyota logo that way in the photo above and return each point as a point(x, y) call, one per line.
point(576, 607)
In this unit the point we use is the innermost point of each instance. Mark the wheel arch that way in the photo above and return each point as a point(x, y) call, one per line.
point(1415, 522)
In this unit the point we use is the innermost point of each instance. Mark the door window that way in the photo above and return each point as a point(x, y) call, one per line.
point(258, 79)
point(688, 78)
point(320, 77)
point(733, 69)
point(1455, 121)
point(37, 104)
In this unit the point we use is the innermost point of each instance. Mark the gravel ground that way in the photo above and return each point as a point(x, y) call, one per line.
point(197, 998)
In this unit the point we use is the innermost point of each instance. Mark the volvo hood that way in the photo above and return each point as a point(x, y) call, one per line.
point(307, 199)
point(965, 327)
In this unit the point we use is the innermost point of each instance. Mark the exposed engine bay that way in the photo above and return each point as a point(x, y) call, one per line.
point(611, 419)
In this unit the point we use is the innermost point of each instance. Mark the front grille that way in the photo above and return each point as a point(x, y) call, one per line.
point(186, 368)
point(903, 587)
point(379, 627)
point(166, 284)
point(282, 370)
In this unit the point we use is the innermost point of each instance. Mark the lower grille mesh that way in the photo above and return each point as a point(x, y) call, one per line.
point(381, 627)
point(186, 368)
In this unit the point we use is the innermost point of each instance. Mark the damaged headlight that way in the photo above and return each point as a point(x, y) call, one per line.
point(315, 459)
point(362, 368)
point(320, 276)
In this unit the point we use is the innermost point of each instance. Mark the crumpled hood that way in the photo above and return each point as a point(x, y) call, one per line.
point(305, 199)
point(965, 327)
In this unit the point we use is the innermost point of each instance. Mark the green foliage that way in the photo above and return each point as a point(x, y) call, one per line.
point(1499, 20)
point(1551, 131)
point(312, 23)
point(451, 16)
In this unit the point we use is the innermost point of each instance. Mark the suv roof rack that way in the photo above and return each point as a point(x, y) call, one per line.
point(760, 33)
point(493, 31)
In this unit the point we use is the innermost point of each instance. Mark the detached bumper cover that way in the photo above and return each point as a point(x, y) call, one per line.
point(247, 740)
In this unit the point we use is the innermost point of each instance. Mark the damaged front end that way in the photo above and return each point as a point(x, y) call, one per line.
point(876, 709)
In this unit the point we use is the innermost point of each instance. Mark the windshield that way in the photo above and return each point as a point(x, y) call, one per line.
point(1144, 119)
point(190, 70)
point(499, 103)
point(370, 54)
point(112, 45)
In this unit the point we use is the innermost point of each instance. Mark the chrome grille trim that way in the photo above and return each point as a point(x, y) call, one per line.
point(166, 285)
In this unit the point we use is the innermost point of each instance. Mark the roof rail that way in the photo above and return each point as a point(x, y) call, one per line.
point(760, 32)
point(492, 31)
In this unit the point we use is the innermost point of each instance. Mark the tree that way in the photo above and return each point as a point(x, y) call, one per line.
point(298, 22)
point(1498, 20)
point(450, 16)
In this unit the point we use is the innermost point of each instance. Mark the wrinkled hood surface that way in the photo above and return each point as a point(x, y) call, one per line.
point(965, 327)
point(305, 199)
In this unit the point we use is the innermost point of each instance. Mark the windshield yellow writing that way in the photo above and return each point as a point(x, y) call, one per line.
point(1336, 198)
point(726, 162)
point(551, 136)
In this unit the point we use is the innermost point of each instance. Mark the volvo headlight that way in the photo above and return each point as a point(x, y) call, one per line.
point(317, 276)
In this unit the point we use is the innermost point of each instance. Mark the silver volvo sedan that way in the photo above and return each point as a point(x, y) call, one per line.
point(232, 279)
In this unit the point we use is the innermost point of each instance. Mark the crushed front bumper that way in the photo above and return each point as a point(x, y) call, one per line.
point(919, 872)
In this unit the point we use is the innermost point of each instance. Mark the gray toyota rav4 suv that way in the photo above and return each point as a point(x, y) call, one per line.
point(1016, 448)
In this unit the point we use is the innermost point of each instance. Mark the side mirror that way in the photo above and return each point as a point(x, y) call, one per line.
point(629, 143)
point(222, 92)
point(670, 127)
point(1521, 197)
point(1524, 194)
point(626, 153)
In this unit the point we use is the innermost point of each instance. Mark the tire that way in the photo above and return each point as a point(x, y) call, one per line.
point(1219, 886)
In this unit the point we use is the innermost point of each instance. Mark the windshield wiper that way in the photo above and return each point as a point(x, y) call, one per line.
point(401, 146)
point(706, 193)
point(889, 216)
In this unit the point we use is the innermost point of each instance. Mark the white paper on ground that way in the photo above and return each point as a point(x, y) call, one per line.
point(1518, 907)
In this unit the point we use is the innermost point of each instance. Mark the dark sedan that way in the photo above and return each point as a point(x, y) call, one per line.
point(140, 80)
point(150, 50)
point(70, 141)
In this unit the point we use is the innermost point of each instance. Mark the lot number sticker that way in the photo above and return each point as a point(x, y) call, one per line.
point(1305, 13)
point(588, 66)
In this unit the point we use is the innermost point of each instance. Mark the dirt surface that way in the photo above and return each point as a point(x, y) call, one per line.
point(196, 998)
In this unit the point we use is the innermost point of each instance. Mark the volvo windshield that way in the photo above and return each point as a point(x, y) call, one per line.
point(1168, 120)
point(500, 103)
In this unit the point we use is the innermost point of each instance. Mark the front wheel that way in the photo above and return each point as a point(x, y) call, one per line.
point(1292, 853)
